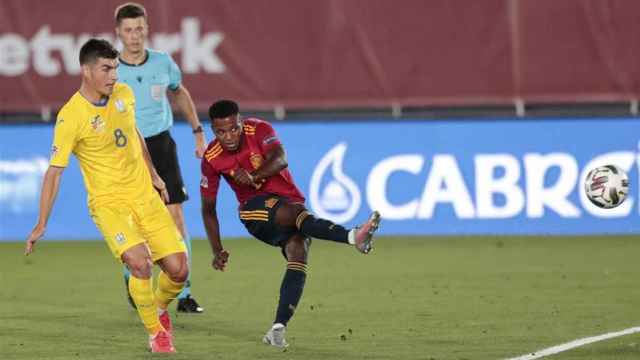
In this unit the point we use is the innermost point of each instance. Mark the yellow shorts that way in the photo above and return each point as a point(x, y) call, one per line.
point(126, 224)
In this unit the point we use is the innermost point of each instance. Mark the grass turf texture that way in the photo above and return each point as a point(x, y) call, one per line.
point(412, 298)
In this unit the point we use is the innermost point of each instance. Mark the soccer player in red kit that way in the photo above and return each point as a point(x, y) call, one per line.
point(248, 154)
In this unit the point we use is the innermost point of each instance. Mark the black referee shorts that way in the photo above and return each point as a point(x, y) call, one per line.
point(164, 156)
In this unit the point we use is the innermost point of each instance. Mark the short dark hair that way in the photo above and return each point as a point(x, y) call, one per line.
point(223, 108)
point(130, 10)
point(97, 48)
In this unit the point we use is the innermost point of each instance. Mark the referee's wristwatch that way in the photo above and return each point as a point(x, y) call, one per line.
point(198, 129)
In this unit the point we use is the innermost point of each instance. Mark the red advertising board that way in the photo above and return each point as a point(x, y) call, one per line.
point(349, 53)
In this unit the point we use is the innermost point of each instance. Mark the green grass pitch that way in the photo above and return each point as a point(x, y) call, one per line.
point(412, 298)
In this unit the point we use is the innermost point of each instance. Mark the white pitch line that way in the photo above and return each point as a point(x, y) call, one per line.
point(574, 344)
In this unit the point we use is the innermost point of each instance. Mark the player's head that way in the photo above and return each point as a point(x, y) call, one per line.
point(99, 60)
point(132, 26)
point(226, 124)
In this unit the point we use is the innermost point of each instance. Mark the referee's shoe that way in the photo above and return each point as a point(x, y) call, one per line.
point(189, 305)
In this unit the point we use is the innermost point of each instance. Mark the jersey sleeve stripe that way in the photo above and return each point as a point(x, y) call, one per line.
point(212, 155)
point(215, 148)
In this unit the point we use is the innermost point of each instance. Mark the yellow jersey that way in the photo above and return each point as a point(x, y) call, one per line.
point(104, 139)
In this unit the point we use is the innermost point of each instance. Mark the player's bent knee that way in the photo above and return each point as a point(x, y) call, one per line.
point(179, 270)
point(140, 267)
point(297, 248)
point(138, 261)
point(181, 275)
point(176, 266)
point(287, 214)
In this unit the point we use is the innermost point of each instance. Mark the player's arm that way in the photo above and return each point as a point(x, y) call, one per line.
point(209, 184)
point(184, 103)
point(50, 186)
point(274, 162)
point(212, 227)
point(275, 158)
point(65, 137)
point(157, 181)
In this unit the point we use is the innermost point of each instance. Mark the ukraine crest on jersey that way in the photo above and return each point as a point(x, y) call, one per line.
point(106, 144)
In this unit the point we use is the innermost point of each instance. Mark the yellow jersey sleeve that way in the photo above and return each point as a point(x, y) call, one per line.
point(64, 139)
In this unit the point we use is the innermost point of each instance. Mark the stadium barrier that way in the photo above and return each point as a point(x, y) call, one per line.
point(426, 177)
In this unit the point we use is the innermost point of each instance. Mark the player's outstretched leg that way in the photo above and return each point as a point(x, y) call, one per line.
point(289, 215)
point(139, 262)
point(291, 289)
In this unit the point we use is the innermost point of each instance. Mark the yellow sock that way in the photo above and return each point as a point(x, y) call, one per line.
point(142, 294)
point(167, 290)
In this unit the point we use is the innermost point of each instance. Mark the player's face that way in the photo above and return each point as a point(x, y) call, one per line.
point(133, 33)
point(228, 131)
point(101, 76)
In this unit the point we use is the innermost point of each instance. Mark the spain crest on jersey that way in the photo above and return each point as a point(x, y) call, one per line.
point(256, 160)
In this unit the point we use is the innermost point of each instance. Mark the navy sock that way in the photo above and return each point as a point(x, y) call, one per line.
point(323, 229)
point(291, 291)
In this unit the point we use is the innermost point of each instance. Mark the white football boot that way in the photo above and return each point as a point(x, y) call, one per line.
point(275, 336)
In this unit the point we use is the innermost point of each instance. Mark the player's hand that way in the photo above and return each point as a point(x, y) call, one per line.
point(242, 176)
point(36, 234)
point(220, 260)
point(201, 145)
point(159, 184)
point(258, 183)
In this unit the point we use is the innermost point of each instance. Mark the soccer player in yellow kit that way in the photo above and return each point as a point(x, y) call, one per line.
point(98, 126)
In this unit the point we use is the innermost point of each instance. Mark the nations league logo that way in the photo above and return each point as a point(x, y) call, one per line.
point(334, 195)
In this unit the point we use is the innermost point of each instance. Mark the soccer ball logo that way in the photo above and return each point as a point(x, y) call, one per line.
point(607, 186)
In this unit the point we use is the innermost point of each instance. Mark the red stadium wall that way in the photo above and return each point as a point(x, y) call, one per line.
point(324, 54)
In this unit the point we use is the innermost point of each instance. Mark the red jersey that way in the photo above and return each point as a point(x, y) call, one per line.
point(257, 139)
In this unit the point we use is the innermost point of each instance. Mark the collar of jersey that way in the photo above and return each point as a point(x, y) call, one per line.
point(146, 57)
point(102, 103)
